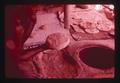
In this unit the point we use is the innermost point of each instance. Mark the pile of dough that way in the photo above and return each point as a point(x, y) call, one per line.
point(58, 41)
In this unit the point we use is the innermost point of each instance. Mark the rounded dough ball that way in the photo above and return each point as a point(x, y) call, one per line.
point(58, 41)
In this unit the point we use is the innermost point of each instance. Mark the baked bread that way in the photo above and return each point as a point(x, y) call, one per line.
point(57, 41)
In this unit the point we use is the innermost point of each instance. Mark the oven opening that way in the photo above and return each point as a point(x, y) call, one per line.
point(98, 57)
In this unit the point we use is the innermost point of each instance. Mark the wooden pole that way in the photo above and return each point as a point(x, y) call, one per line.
point(67, 15)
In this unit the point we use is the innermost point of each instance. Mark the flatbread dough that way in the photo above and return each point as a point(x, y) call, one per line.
point(58, 41)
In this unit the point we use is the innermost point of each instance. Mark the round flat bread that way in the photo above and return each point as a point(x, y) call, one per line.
point(77, 28)
point(104, 26)
point(76, 21)
point(92, 31)
point(58, 41)
point(76, 37)
point(87, 25)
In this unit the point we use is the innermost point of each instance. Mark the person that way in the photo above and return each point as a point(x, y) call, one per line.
point(19, 22)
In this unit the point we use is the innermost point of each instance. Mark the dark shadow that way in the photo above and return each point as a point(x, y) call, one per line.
point(98, 57)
